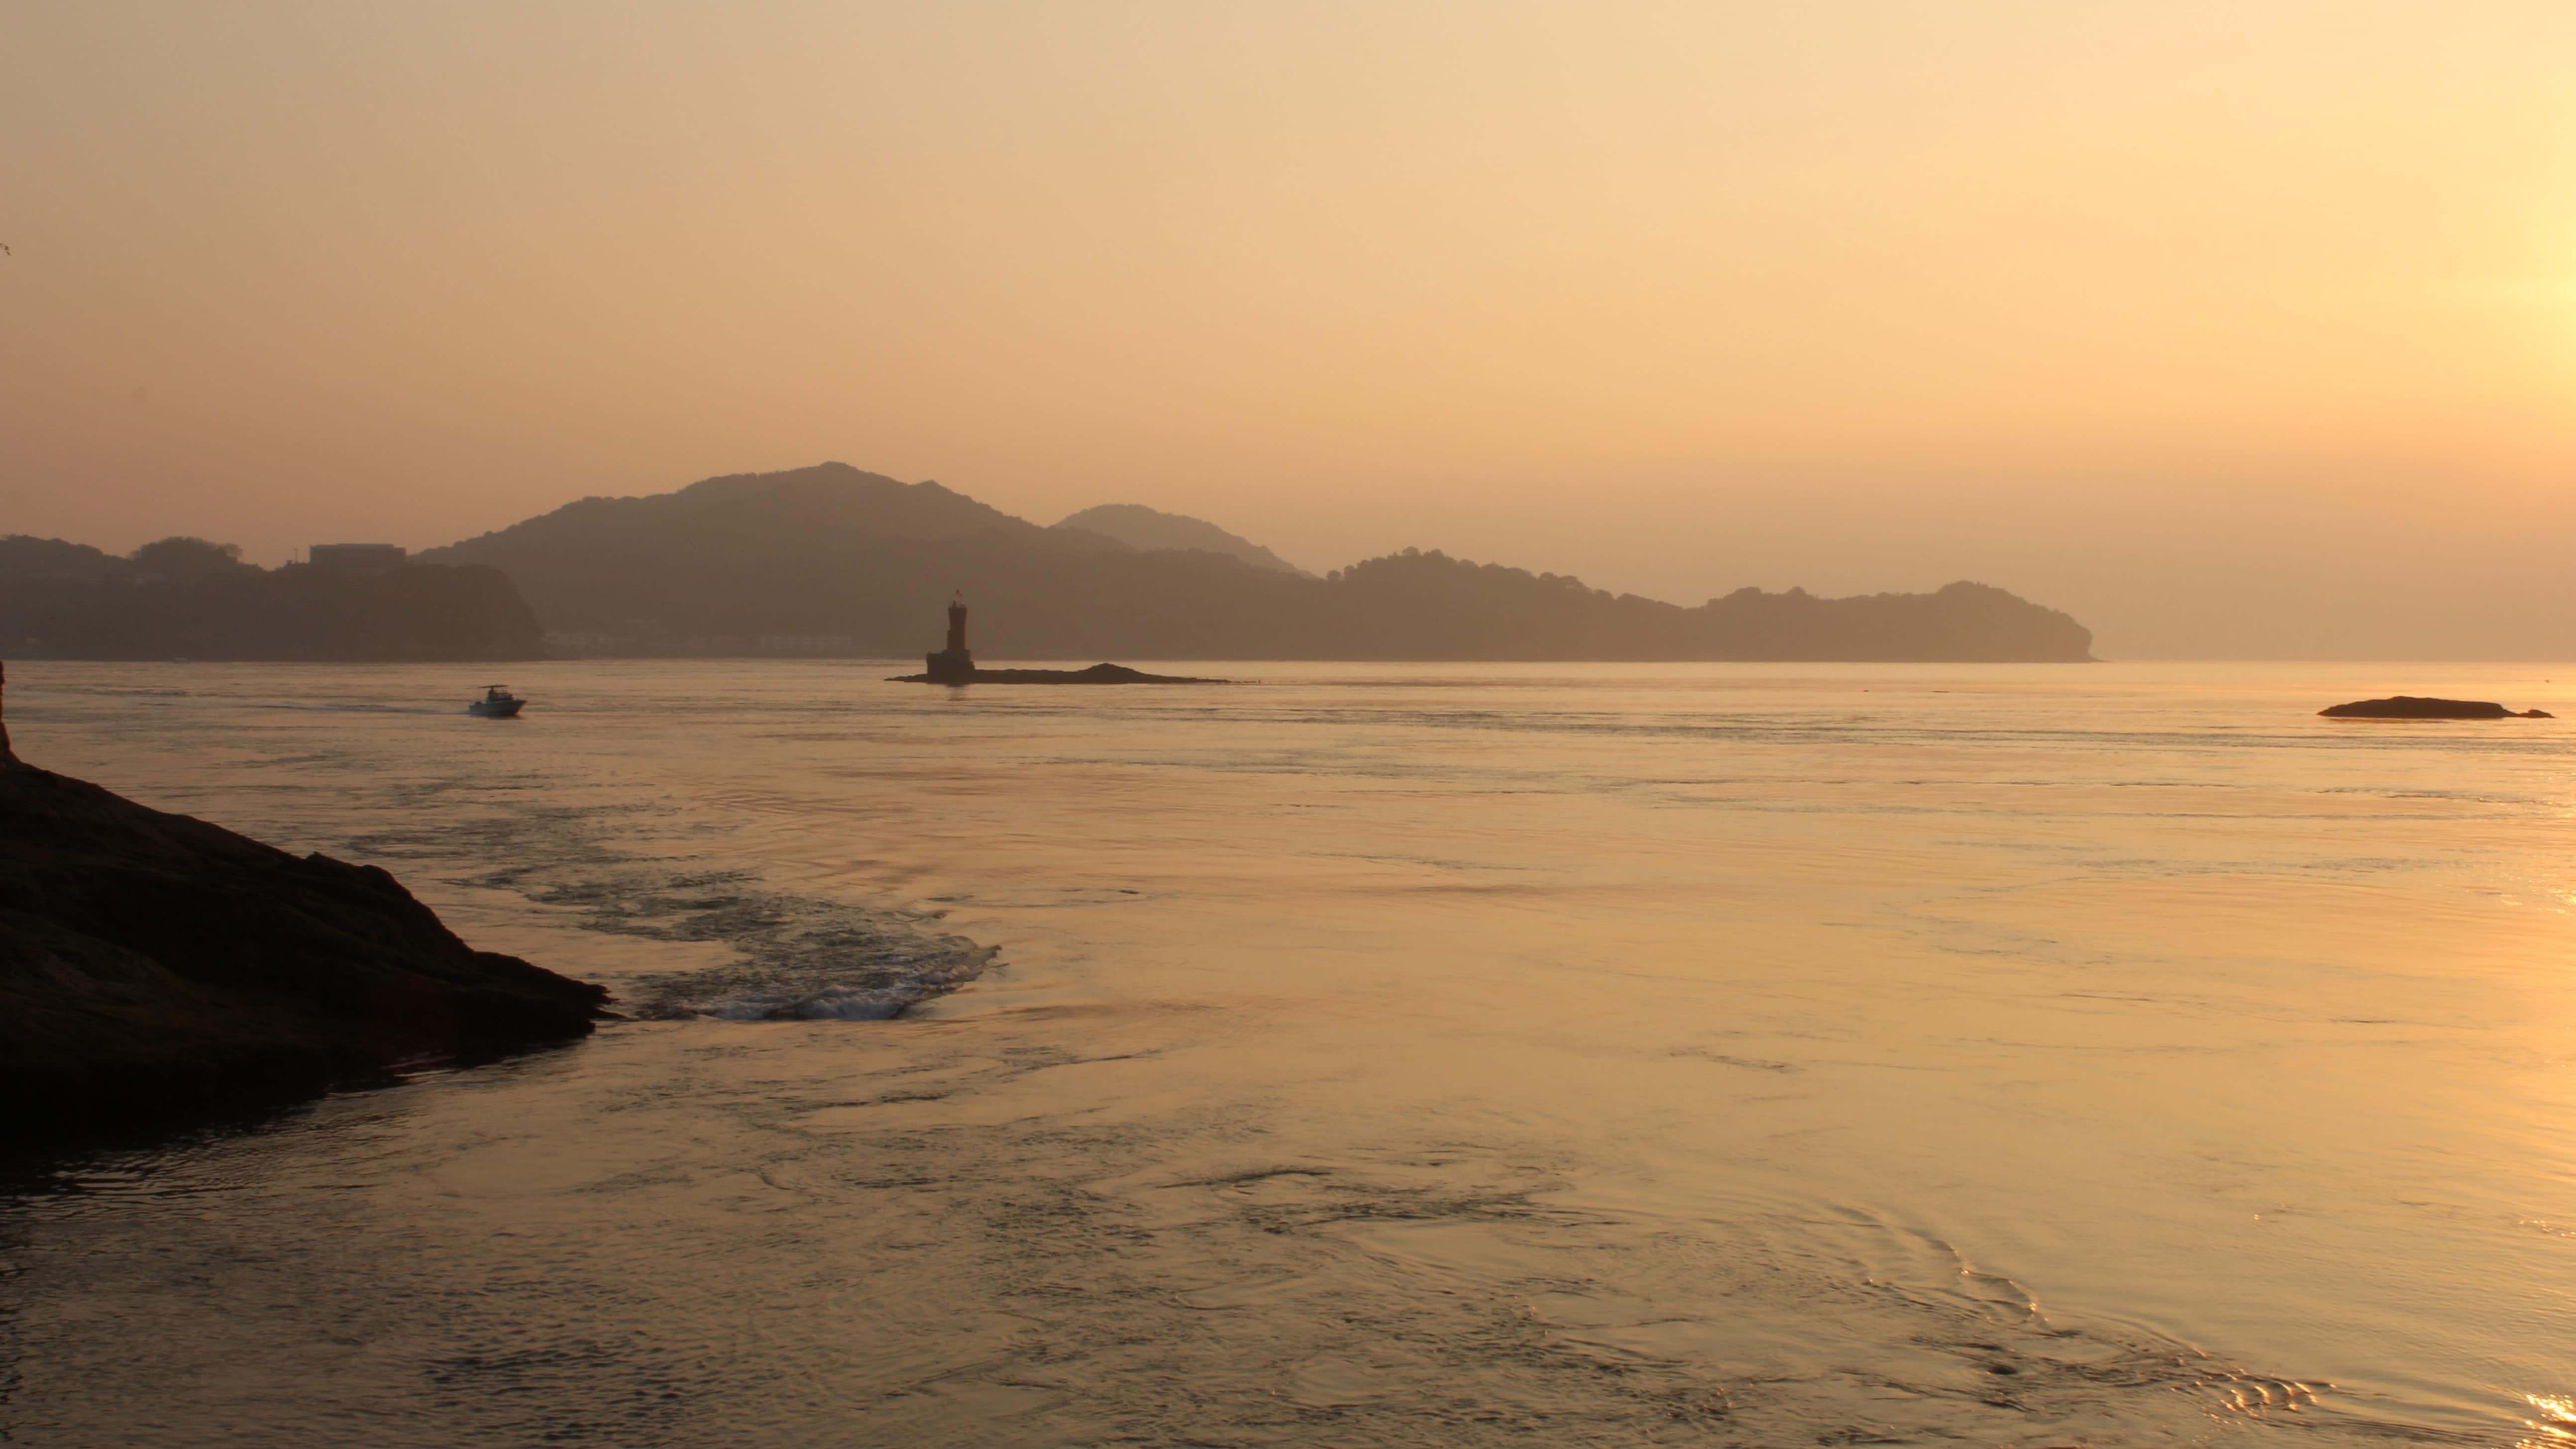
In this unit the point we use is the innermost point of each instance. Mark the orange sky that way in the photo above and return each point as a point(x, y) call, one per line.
point(2231, 328)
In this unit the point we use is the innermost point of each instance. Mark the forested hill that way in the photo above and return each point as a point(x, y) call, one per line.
point(187, 598)
point(844, 561)
point(1137, 526)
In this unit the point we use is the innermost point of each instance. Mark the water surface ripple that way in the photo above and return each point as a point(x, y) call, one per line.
point(1374, 1055)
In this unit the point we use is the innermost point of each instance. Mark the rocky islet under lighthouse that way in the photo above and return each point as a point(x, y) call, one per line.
point(955, 664)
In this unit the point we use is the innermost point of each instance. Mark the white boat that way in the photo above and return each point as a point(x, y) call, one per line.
point(497, 703)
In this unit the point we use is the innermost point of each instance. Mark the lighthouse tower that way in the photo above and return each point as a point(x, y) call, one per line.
point(954, 664)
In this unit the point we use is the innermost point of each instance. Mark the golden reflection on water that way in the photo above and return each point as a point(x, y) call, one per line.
point(1723, 1017)
point(2557, 1410)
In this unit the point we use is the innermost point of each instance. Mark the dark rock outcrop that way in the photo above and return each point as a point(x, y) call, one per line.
point(2412, 706)
point(1096, 674)
point(155, 969)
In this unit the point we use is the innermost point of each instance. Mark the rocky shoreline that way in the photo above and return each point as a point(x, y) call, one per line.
point(157, 970)
point(2415, 706)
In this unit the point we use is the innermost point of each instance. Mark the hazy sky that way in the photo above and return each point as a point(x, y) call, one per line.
point(2233, 328)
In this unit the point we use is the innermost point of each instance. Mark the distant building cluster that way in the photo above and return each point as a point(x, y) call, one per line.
point(358, 557)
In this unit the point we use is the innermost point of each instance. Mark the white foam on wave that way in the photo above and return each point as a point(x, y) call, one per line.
point(875, 986)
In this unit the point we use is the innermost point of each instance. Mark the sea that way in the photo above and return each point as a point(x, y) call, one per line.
point(1385, 1054)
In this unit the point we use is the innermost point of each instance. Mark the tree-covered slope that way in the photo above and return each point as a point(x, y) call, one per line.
point(62, 601)
point(832, 551)
point(1139, 527)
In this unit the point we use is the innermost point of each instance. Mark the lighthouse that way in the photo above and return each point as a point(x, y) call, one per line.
point(954, 664)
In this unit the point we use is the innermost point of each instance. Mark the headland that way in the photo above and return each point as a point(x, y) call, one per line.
point(156, 970)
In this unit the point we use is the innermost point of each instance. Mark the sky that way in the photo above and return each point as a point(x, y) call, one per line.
point(2236, 330)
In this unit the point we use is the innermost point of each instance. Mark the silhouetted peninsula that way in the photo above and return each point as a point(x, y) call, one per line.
point(157, 969)
point(835, 561)
point(2412, 706)
point(187, 598)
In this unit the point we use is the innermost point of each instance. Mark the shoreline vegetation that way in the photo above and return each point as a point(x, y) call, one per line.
point(158, 971)
point(186, 598)
point(833, 562)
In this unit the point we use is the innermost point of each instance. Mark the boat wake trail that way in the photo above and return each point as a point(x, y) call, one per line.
point(802, 959)
point(797, 957)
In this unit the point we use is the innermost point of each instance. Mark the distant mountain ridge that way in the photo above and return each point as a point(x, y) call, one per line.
point(825, 495)
point(1139, 527)
point(842, 561)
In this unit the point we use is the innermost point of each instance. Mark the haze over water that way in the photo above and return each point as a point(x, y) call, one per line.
point(2233, 330)
point(1378, 1055)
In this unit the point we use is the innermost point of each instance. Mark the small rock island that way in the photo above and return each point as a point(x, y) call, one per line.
point(2412, 706)
point(956, 665)
point(156, 970)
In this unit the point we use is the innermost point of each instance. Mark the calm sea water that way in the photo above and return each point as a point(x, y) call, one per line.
point(1608, 1055)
